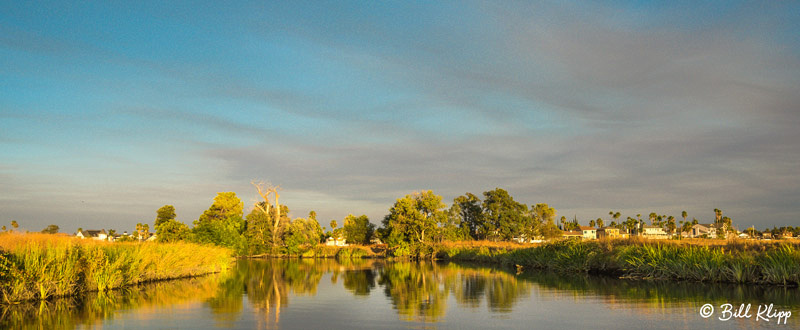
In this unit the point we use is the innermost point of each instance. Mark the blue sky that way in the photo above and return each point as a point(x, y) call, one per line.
point(110, 110)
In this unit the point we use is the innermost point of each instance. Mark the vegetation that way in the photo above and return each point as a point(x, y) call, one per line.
point(734, 262)
point(38, 267)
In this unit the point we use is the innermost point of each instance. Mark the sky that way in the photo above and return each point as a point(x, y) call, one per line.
point(109, 110)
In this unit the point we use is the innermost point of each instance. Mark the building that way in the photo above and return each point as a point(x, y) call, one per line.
point(608, 232)
point(654, 232)
point(707, 230)
point(99, 235)
point(572, 234)
point(588, 232)
point(335, 241)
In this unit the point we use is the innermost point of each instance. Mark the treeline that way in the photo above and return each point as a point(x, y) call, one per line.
point(415, 219)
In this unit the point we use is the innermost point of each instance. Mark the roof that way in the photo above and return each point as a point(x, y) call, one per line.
point(608, 228)
point(587, 228)
point(572, 233)
point(651, 227)
point(93, 233)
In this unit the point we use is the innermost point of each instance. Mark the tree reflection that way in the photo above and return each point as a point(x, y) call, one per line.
point(417, 291)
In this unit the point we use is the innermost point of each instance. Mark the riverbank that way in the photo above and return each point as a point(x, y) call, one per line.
point(40, 266)
point(732, 262)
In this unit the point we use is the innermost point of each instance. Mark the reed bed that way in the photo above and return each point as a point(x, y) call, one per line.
point(733, 261)
point(40, 266)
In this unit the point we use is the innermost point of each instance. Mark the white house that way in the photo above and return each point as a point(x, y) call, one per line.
point(655, 232)
point(99, 235)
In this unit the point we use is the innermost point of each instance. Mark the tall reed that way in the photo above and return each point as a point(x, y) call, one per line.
point(38, 266)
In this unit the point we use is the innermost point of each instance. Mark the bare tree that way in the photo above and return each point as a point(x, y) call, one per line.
point(264, 190)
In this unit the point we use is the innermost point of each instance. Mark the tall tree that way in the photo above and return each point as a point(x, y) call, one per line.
point(717, 215)
point(167, 228)
point(509, 218)
point(358, 230)
point(684, 215)
point(468, 212)
point(222, 223)
point(165, 213)
point(412, 218)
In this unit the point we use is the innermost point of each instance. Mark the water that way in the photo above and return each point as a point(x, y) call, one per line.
point(374, 294)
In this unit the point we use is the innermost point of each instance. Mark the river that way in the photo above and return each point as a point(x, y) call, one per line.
point(376, 294)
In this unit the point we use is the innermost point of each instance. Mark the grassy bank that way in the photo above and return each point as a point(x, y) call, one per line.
point(324, 251)
point(39, 266)
point(735, 261)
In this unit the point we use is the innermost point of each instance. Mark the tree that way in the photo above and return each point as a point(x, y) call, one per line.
point(358, 230)
point(302, 232)
point(653, 217)
point(671, 224)
point(542, 215)
point(259, 231)
point(222, 223)
point(599, 223)
point(334, 224)
point(467, 211)
point(51, 229)
point(412, 217)
point(591, 223)
point(14, 224)
point(165, 213)
point(717, 215)
point(278, 222)
point(684, 214)
point(167, 228)
point(508, 217)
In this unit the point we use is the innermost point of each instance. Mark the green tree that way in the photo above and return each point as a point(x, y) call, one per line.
point(222, 223)
point(509, 218)
point(684, 215)
point(302, 232)
point(14, 224)
point(412, 218)
point(258, 231)
point(167, 228)
point(163, 214)
point(467, 211)
point(358, 230)
point(51, 229)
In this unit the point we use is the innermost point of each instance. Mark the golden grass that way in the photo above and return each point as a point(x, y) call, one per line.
point(39, 266)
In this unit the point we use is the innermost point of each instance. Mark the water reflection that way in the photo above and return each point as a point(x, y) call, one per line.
point(416, 292)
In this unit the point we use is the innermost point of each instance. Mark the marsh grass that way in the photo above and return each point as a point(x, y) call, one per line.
point(39, 266)
point(719, 261)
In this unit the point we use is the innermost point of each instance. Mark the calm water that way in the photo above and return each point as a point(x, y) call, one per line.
point(374, 294)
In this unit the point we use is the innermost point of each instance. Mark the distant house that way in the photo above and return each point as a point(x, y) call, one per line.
point(654, 232)
point(588, 232)
point(785, 234)
point(708, 230)
point(608, 232)
point(340, 241)
point(572, 234)
point(766, 235)
point(99, 235)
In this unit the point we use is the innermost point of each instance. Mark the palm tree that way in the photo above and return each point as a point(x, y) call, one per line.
point(653, 216)
point(599, 223)
point(717, 215)
point(591, 223)
point(14, 224)
point(563, 222)
point(684, 214)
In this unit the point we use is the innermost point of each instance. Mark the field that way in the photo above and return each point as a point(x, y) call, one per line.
point(40, 266)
